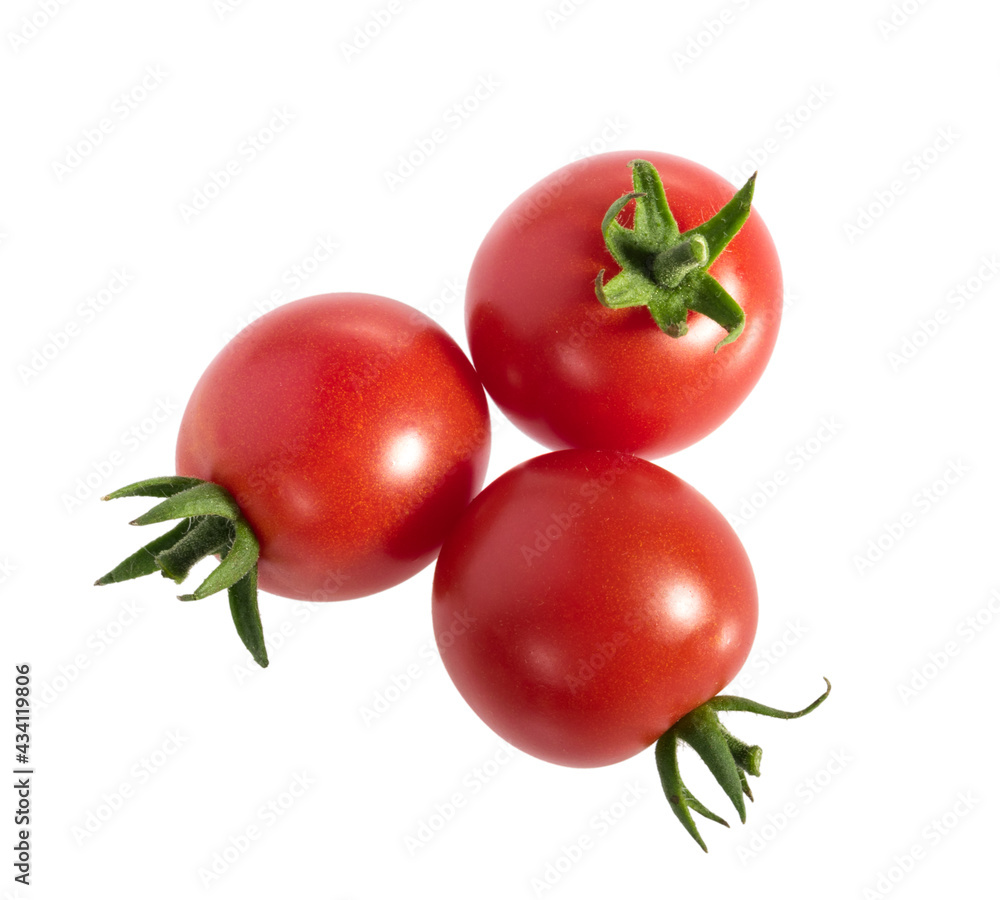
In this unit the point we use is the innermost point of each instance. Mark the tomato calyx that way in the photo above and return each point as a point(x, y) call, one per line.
point(728, 758)
point(664, 269)
point(211, 524)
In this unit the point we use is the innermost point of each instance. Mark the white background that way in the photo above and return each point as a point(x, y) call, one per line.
point(158, 746)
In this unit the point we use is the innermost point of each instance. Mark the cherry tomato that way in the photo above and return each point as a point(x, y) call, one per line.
point(588, 600)
point(352, 432)
point(571, 372)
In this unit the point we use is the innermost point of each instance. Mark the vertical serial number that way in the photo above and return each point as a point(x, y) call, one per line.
point(22, 774)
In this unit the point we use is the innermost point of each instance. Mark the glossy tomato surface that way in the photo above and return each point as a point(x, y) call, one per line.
point(352, 431)
point(571, 373)
point(589, 599)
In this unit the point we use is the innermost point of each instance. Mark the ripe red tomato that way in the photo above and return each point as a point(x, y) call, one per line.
point(587, 600)
point(351, 431)
point(573, 373)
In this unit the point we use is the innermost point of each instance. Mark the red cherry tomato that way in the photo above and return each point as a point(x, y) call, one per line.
point(572, 373)
point(351, 431)
point(587, 600)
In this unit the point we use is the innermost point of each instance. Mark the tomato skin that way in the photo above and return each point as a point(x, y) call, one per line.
point(571, 373)
point(352, 431)
point(587, 600)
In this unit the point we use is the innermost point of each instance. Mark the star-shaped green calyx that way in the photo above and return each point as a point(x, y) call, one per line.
point(727, 757)
point(667, 270)
point(211, 525)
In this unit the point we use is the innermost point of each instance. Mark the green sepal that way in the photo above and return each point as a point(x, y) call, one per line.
point(628, 246)
point(143, 561)
point(165, 486)
point(664, 269)
point(212, 524)
point(728, 759)
point(702, 293)
point(625, 289)
point(246, 616)
point(653, 218)
point(732, 703)
point(681, 800)
point(702, 730)
point(726, 223)
point(202, 499)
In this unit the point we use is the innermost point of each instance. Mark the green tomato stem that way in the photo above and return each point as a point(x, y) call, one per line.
point(211, 524)
point(206, 536)
point(727, 758)
point(666, 270)
point(671, 265)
